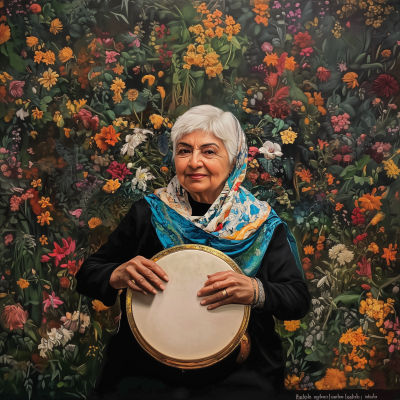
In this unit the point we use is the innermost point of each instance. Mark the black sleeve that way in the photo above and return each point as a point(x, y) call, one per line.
point(93, 278)
point(286, 293)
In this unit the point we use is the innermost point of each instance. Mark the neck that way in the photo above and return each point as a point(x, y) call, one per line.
point(206, 197)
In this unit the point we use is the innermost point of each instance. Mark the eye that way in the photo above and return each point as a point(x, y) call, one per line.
point(209, 151)
point(183, 151)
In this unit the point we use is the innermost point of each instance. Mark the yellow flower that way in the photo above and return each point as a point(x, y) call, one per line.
point(118, 85)
point(149, 78)
point(49, 78)
point(288, 136)
point(5, 33)
point(67, 132)
point(38, 56)
point(37, 114)
point(65, 54)
point(43, 240)
point(373, 247)
point(99, 306)
point(36, 183)
point(93, 222)
point(160, 74)
point(291, 326)
point(44, 202)
point(49, 57)
point(132, 94)
point(156, 120)
point(33, 134)
point(32, 41)
point(22, 283)
point(119, 69)
point(271, 59)
point(56, 26)
point(111, 186)
point(351, 79)
point(392, 170)
point(378, 217)
point(353, 381)
point(44, 218)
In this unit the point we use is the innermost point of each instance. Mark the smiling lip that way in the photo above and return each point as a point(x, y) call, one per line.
point(197, 176)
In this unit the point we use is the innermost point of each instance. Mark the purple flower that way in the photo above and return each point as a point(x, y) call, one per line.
point(16, 88)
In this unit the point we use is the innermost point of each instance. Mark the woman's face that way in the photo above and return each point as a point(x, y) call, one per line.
point(202, 165)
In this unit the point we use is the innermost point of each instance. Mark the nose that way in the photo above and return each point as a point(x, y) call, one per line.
point(195, 160)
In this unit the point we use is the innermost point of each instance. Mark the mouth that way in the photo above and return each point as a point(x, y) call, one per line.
point(196, 176)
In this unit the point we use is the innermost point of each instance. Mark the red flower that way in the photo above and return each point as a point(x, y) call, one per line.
point(323, 74)
point(14, 316)
point(45, 258)
point(253, 151)
point(119, 47)
point(85, 118)
point(365, 268)
point(118, 170)
point(35, 8)
point(366, 287)
point(303, 40)
point(65, 282)
point(386, 86)
point(219, 227)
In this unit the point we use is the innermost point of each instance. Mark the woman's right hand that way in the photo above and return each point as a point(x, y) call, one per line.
point(146, 274)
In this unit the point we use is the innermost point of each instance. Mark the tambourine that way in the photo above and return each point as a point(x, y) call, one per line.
point(172, 326)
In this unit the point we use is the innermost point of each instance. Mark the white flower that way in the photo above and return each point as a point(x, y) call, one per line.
point(54, 337)
point(66, 334)
point(70, 347)
point(45, 345)
point(140, 179)
point(21, 113)
point(345, 257)
point(270, 150)
point(85, 320)
point(132, 141)
point(335, 250)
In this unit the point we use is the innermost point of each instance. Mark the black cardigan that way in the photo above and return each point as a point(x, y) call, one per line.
point(286, 298)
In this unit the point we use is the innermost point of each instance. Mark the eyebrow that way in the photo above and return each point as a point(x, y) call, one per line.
point(203, 145)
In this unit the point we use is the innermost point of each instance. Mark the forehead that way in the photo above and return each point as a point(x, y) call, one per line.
point(199, 137)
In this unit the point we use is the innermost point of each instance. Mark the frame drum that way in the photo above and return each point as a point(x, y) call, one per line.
point(172, 326)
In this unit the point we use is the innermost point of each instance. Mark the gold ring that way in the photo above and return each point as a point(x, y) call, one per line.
point(133, 281)
point(225, 293)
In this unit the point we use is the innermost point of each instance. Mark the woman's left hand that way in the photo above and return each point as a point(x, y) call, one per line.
point(239, 289)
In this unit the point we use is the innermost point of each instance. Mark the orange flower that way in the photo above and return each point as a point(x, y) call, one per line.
point(5, 33)
point(93, 222)
point(107, 136)
point(65, 54)
point(329, 178)
point(386, 53)
point(119, 69)
point(292, 382)
point(44, 218)
point(309, 249)
point(22, 283)
point(99, 306)
point(49, 57)
point(43, 240)
point(162, 91)
point(373, 247)
point(160, 74)
point(111, 186)
point(305, 175)
point(271, 59)
point(290, 64)
point(339, 206)
point(32, 41)
point(389, 253)
point(56, 26)
point(351, 79)
point(149, 78)
point(370, 202)
point(37, 114)
point(292, 326)
point(335, 379)
point(67, 132)
point(132, 94)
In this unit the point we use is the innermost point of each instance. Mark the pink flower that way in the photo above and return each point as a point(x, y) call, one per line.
point(52, 301)
point(76, 213)
point(266, 46)
point(16, 88)
point(118, 170)
point(110, 56)
point(365, 268)
point(89, 122)
point(59, 253)
point(45, 258)
point(307, 51)
point(8, 239)
point(253, 151)
point(14, 316)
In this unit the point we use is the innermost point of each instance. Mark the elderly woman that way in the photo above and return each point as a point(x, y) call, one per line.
point(203, 204)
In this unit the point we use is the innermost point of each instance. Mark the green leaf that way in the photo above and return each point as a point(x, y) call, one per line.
point(235, 42)
point(96, 326)
point(30, 329)
point(16, 61)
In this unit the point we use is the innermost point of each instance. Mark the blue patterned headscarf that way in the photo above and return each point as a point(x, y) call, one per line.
point(237, 223)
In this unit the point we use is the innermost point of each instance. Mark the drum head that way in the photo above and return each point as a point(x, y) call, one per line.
point(172, 325)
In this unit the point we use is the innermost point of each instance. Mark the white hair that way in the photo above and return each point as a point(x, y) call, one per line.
point(210, 119)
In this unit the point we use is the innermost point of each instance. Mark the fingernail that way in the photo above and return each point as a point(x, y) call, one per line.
point(162, 287)
point(202, 302)
point(155, 291)
point(166, 278)
point(199, 294)
point(144, 293)
point(209, 308)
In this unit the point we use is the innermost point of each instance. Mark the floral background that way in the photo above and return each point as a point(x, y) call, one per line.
point(89, 92)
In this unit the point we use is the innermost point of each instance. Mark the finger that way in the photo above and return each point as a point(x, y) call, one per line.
point(141, 281)
point(217, 273)
point(213, 287)
point(150, 276)
point(135, 287)
point(222, 302)
point(218, 277)
point(220, 295)
point(155, 268)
